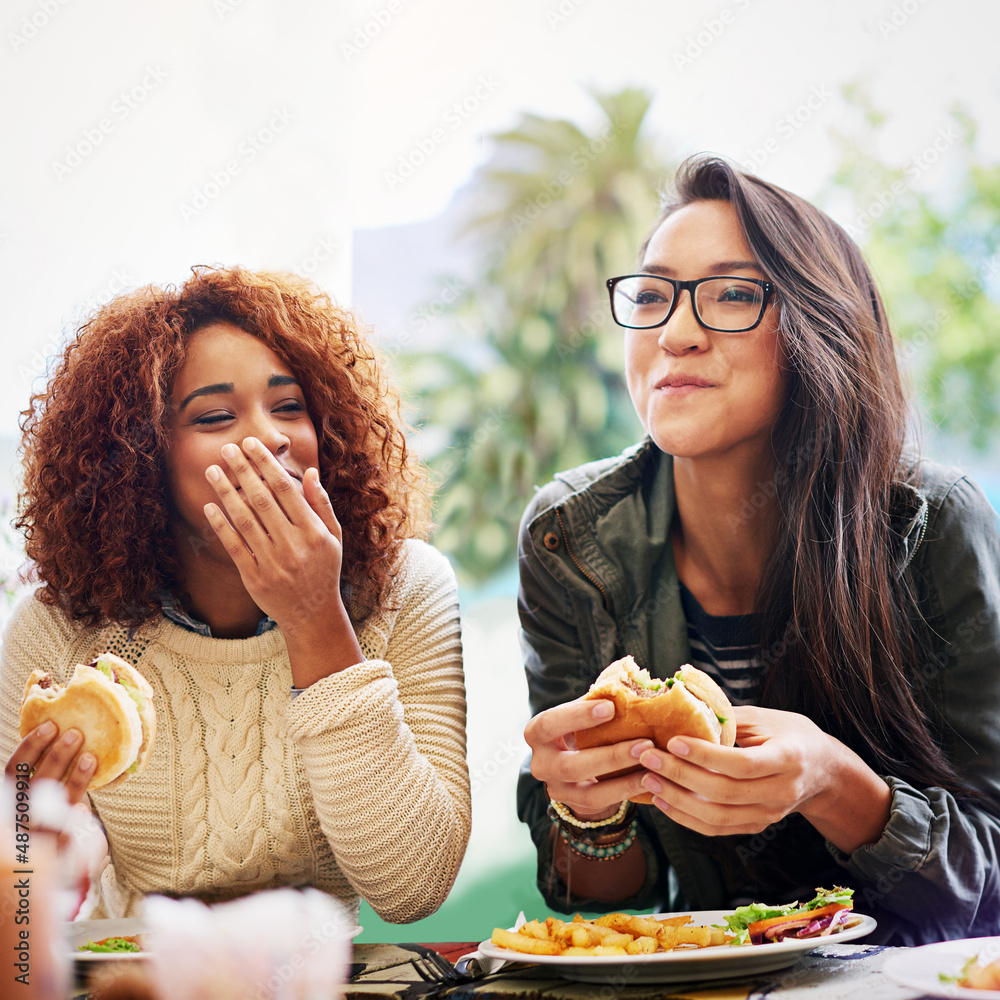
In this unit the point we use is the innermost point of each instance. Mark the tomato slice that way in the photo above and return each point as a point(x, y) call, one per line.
point(759, 926)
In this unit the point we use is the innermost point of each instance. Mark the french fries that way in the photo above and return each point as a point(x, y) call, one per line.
point(613, 934)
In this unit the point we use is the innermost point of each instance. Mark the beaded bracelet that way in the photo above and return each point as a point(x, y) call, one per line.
point(601, 838)
point(563, 813)
point(606, 852)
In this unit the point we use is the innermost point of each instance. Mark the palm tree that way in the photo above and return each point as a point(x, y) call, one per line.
point(536, 384)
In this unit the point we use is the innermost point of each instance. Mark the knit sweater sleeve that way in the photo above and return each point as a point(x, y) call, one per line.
point(383, 746)
point(36, 638)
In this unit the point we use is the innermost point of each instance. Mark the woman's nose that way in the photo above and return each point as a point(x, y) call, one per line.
point(682, 333)
point(269, 433)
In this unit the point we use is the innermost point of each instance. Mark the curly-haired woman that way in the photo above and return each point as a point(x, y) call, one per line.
point(773, 529)
point(217, 488)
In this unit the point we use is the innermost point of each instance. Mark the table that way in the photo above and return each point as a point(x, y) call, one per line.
point(831, 972)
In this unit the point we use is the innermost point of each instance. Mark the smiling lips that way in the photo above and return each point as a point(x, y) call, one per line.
point(679, 385)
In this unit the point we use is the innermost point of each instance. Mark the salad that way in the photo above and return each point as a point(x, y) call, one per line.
point(113, 944)
point(828, 912)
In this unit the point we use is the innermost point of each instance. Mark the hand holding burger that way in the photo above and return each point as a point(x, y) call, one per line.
point(110, 703)
point(688, 704)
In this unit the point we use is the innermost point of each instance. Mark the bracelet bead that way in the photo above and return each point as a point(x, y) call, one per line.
point(564, 813)
point(606, 852)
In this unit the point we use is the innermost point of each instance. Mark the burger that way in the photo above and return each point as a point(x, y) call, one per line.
point(109, 702)
point(689, 703)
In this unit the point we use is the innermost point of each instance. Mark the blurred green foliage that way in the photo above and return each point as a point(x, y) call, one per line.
point(936, 258)
point(532, 381)
point(540, 388)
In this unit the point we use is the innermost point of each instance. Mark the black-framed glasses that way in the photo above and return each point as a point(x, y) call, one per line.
point(724, 302)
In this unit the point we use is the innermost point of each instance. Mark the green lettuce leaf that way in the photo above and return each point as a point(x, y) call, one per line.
point(743, 916)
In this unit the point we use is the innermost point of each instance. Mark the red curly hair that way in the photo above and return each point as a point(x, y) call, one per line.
point(96, 506)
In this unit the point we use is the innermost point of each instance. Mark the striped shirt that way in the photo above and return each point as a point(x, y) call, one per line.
point(723, 646)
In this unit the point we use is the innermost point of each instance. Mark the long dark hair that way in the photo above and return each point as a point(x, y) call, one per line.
point(842, 629)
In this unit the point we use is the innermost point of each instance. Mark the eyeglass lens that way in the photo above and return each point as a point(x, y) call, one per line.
point(644, 300)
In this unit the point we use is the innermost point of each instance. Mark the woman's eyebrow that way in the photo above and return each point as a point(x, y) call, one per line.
point(226, 387)
point(207, 390)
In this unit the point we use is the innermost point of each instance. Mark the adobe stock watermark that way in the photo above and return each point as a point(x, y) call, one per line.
point(316, 940)
point(507, 752)
point(324, 250)
point(531, 209)
point(37, 364)
point(985, 273)
point(420, 319)
point(900, 14)
point(712, 28)
point(491, 422)
point(965, 633)
point(454, 118)
point(223, 8)
point(121, 107)
point(765, 490)
point(373, 26)
point(561, 13)
point(31, 25)
point(120, 280)
point(247, 151)
point(584, 332)
point(787, 126)
point(919, 164)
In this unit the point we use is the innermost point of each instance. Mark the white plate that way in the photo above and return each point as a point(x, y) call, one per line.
point(686, 965)
point(81, 931)
point(921, 968)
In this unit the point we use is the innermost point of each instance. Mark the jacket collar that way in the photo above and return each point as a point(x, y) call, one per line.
point(643, 476)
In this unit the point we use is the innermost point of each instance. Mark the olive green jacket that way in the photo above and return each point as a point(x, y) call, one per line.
point(598, 581)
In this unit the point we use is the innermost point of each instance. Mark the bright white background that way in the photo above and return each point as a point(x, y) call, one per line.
point(263, 132)
point(313, 121)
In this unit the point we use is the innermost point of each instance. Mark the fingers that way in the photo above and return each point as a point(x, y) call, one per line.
point(262, 497)
point(49, 755)
point(719, 774)
point(232, 518)
point(716, 790)
point(687, 754)
point(267, 486)
point(564, 720)
point(78, 777)
point(718, 813)
point(594, 799)
point(710, 818)
point(233, 542)
point(319, 500)
point(551, 763)
point(60, 761)
point(29, 751)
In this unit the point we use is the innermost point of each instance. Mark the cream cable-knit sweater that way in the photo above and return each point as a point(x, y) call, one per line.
point(358, 786)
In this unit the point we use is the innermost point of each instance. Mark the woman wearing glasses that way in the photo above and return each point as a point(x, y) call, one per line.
point(773, 530)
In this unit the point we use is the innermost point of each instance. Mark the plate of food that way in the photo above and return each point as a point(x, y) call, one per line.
point(968, 968)
point(106, 940)
point(681, 947)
